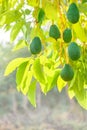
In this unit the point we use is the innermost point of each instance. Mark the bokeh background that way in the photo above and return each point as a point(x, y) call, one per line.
point(54, 111)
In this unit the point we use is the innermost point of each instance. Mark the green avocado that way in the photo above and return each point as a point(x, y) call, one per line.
point(73, 13)
point(54, 32)
point(67, 73)
point(74, 51)
point(41, 15)
point(67, 35)
point(35, 46)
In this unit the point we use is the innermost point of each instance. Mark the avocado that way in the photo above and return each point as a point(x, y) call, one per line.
point(67, 73)
point(73, 13)
point(54, 32)
point(41, 15)
point(67, 35)
point(74, 51)
point(35, 46)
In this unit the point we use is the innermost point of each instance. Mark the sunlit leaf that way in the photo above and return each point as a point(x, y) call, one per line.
point(80, 94)
point(50, 11)
point(32, 93)
point(83, 7)
point(34, 3)
point(12, 2)
point(52, 80)
point(0, 1)
point(50, 39)
point(61, 84)
point(28, 81)
point(23, 88)
point(15, 30)
point(81, 97)
point(9, 16)
point(72, 82)
point(80, 33)
point(38, 71)
point(14, 64)
point(21, 44)
point(20, 73)
point(23, 77)
point(80, 80)
point(71, 93)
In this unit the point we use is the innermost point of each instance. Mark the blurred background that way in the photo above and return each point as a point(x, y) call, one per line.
point(55, 111)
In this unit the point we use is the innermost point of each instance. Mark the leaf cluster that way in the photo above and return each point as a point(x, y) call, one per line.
point(34, 18)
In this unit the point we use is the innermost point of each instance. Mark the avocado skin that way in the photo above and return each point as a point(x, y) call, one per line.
point(67, 35)
point(67, 73)
point(54, 32)
point(41, 15)
point(74, 51)
point(35, 46)
point(73, 13)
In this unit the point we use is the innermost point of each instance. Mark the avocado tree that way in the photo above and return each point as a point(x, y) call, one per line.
point(55, 34)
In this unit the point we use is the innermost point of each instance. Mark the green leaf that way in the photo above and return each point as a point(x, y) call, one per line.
point(85, 75)
point(21, 44)
point(23, 77)
point(12, 16)
point(72, 82)
point(84, 1)
point(19, 6)
point(71, 93)
point(22, 87)
point(41, 15)
point(9, 16)
point(55, 77)
point(33, 3)
point(83, 8)
point(79, 93)
point(13, 2)
point(32, 93)
point(38, 71)
point(80, 79)
point(20, 73)
point(14, 64)
point(51, 78)
point(51, 11)
point(80, 33)
point(15, 30)
point(81, 96)
point(61, 84)
point(28, 81)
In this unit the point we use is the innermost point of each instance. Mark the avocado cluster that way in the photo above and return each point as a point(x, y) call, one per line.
point(35, 46)
point(73, 14)
point(74, 54)
point(54, 32)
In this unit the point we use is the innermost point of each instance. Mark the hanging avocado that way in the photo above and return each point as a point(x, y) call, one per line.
point(35, 46)
point(54, 32)
point(67, 73)
point(41, 15)
point(67, 35)
point(74, 51)
point(73, 13)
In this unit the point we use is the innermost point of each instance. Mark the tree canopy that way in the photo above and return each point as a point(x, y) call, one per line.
point(55, 34)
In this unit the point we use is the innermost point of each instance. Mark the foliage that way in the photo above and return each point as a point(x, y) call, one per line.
point(34, 18)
